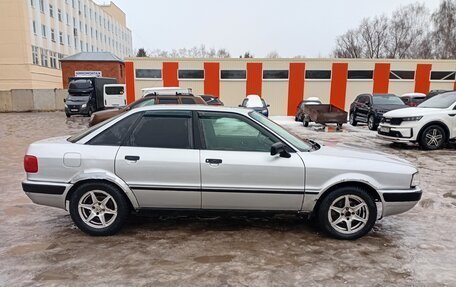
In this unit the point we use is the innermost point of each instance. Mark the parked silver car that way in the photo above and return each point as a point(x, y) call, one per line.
point(213, 158)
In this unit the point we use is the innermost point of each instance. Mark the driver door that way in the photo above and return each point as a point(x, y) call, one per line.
point(237, 170)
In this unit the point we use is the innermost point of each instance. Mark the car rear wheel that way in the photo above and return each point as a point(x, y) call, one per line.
point(347, 213)
point(98, 208)
point(432, 138)
point(371, 124)
point(353, 121)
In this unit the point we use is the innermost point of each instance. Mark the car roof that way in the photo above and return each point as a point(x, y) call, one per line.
point(207, 108)
point(312, 99)
point(413, 95)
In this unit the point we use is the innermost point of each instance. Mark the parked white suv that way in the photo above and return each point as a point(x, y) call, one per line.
point(432, 124)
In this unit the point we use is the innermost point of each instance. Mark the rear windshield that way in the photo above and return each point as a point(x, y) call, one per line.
point(88, 131)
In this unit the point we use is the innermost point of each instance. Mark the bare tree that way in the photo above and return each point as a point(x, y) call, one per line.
point(444, 34)
point(406, 31)
point(223, 53)
point(194, 52)
point(349, 45)
point(373, 33)
point(273, 55)
point(246, 55)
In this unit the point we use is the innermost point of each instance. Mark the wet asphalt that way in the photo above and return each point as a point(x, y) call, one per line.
point(40, 246)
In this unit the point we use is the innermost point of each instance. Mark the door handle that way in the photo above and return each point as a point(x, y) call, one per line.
point(132, 157)
point(213, 161)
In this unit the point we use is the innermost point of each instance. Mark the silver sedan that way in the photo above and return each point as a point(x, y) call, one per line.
point(200, 158)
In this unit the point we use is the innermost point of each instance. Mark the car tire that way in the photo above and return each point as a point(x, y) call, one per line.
point(352, 119)
point(305, 123)
point(99, 209)
point(296, 119)
point(350, 219)
point(433, 137)
point(90, 112)
point(371, 124)
point(67, 115)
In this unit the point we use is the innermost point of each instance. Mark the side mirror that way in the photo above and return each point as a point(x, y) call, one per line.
point(64, 100)
point(240, 106)
point(268, 105)
point(280, 148)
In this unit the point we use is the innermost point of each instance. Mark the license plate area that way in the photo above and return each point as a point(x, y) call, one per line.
point(385, 129)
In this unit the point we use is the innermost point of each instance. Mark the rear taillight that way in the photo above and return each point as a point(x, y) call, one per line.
point(31, 164)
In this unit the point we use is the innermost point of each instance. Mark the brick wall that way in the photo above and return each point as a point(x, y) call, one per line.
point(108, 69)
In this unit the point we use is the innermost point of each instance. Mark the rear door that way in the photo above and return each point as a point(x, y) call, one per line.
point(114, 95)
point(159, 161)
point(237, 170)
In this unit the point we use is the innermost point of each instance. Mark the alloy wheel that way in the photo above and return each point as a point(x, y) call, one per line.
point(97, 209)
point(434, 137)
point(348, 214)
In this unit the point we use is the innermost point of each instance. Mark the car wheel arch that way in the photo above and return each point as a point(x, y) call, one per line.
point(365, 186)
point(103, 176)
point(437, 123)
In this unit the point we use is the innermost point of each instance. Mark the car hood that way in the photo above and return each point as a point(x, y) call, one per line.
point(356, 152)
point(412, 112)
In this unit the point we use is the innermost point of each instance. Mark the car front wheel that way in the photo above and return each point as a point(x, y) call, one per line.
point(432, 138)
point(353, 121)
point(347, 213)
point(371, 124)
point(98, 208)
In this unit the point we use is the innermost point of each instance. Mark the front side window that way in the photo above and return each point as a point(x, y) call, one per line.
point(232, 133)
point(163, 130)
point(167, 101)
point(188, 101)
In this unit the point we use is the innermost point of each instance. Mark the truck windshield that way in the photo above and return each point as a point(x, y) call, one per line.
point(295, 141)
point(442, 101)
point(82, 84)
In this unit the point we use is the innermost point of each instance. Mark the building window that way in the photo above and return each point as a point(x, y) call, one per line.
point(148, 73)
point(51, 10)
point(443, 76)
point(82, 45)
point(59, 64)
point(42, 6)
point(402, 75)
point(59, 15)
point(52, 35)
point(44, 57)
point(69, 40)
point(67, 19)
point(318, 74)
point(34, 27)
point(233, 74)
point(86, 30)
point(43, 31)
point(275, 74)
point(32, 3)
point(35, 57)
point(61, 38)
point(360, 75)
point(191, 74)
point(53, 60)
point(72, 3)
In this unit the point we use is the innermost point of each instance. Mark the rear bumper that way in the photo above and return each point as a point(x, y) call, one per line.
point(399, 201)
point(46, 193)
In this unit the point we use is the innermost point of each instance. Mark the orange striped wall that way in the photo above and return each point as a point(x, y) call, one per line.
point(339, 84)
point(295, 86)
point(381, 78)
point(254, 78)
point(130, 81)
point(212, 79)
point(169, 74)
point(423, 78)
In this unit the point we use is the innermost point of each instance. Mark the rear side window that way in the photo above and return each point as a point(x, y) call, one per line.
point(187, 101)
point(163, 130)
point(114, 135)
point(114, 90)
point(167, 101)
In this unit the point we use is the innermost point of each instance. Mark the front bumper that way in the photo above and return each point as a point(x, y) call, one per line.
point(46, 193)
point(76, 110)
point(399, 201)
point(396, 133)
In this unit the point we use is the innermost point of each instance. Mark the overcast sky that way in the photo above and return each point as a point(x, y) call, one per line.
point(290, 27)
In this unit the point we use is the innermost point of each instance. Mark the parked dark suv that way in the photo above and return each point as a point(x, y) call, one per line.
point(369, 108)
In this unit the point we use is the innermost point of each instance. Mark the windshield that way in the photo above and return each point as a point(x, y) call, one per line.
point(295, 141)
point(86, 132)
point(442, 101)
point(387, 100)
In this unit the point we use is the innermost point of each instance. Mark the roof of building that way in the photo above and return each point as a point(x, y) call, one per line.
point(93, 56)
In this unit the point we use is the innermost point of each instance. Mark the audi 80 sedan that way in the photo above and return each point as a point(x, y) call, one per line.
point(182, 157)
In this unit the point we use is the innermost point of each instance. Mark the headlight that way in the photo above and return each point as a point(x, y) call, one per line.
point(411, 119)
point(84, 106)
point(66, 106)
point(415, 180)
point(264, 111)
